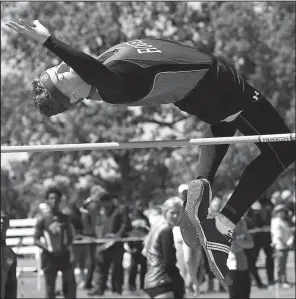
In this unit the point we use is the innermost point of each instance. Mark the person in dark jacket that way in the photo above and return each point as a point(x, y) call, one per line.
point(118, 276)
point(110, 254)
point(8, 262)
point(163, 278)
point(140, 228)
point(237, 263)
point(151, 71)
point(259, 216)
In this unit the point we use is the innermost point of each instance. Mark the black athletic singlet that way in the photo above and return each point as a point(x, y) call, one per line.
point(154, 71)
point(140, 72)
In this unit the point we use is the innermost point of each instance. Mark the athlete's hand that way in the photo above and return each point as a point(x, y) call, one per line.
point(37, 32)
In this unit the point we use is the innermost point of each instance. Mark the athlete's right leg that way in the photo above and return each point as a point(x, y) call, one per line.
point(199, 191)
point(261, 118)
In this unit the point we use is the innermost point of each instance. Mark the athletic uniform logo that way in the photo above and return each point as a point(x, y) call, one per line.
point(255, 96)
point(44, 77)
point(142, 47)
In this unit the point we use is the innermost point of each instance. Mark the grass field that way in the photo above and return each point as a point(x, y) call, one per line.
point(27, 288)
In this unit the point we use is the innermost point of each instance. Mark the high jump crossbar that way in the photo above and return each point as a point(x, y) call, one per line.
point(148, 144)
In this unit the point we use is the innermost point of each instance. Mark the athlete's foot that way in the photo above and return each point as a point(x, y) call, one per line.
point(216, 238)
point(195, 210)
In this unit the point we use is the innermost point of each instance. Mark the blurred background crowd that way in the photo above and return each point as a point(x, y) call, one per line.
point(116, 266)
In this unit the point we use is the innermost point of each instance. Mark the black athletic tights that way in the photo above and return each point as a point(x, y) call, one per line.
point(258, 119)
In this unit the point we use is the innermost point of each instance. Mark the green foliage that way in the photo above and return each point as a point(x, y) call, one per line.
point(259, 39)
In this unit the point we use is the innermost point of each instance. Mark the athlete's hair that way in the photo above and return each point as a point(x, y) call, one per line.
point(43, 100)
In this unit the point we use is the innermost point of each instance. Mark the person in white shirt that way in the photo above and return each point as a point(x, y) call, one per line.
point(282, 241)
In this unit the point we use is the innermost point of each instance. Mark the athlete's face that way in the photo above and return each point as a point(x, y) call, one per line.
point(69, 83)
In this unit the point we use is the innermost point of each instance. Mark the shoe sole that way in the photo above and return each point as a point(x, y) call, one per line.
point(191, 230)
point(189, 221)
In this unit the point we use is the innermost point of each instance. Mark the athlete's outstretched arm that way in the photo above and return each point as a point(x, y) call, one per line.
point(88, 68)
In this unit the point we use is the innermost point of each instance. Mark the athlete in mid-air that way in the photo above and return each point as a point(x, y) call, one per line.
point(153, 71)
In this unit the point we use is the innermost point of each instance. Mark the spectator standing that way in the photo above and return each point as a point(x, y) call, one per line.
point(55, 228)
point(89, 213)
point(110, 254)
point(140, 227)
point(178, 241)
point(237, 262)
point(260, 215)
point(163, 279)
point(191, 256)
point(189, 262)
point(79, 250)
point(216, 204)
point(282, 240)
point(8, 262)
point(117, 277)
point(192, 261)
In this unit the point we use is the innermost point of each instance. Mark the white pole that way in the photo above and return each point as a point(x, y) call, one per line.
point(148, 144)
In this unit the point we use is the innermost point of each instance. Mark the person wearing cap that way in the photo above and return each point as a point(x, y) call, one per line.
point(8, 262)
point(151, 72)
point(282, 241)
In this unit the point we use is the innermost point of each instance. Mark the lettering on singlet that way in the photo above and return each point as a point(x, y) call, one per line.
point(142, 47)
